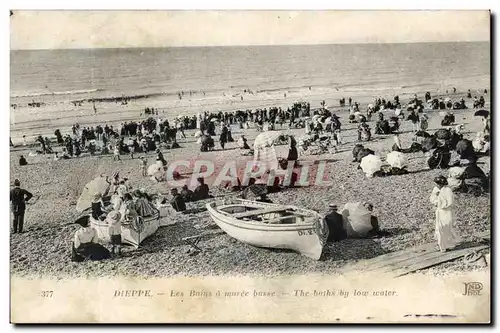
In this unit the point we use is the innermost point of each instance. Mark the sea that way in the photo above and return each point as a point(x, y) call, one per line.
point(189, 80)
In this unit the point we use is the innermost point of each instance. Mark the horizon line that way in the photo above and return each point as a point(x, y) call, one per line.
point(247, 45)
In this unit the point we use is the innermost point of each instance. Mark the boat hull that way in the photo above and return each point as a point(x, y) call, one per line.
point(129, 235)
point(302, 238)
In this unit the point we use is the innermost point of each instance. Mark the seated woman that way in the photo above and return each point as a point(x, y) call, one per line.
point(85, 246)
point(293, 155)
point(129, 213)
point(201, 191)
point(397, 143)
point(142, 205)
point(187, 194)
point(98, 209)
point(22, 160)
point(242, 143)
point(177, 201)
point(440, 158)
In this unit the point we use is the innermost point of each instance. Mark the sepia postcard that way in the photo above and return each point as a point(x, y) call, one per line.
point(250, 166)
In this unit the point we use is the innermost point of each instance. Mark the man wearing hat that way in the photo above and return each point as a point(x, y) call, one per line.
point(18, 198)
point(442, 199)
point(335, 224)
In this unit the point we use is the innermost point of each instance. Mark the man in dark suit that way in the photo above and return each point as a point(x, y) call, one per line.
point(18, 198)
point(335, 225)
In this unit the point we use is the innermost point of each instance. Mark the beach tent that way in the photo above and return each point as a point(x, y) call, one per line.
point(370, 164)
point(97, 185)
point(264, 151)
point(356, 219)
point(397, 159)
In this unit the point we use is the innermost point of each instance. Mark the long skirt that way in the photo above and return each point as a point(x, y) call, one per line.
point(89, 251)
point(145, 208)
point(445, 234)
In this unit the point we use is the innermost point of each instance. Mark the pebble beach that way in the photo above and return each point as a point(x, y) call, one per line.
point(400, 202)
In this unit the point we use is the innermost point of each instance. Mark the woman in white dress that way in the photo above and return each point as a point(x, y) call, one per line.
point(442, 199)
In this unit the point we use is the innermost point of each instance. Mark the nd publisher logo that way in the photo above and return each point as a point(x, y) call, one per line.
point(472, 288)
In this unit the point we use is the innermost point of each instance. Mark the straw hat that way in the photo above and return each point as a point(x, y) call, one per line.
point(97, 196)
point(114, 216)
point(441, 180)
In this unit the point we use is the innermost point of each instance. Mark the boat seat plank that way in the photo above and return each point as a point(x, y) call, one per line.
point(278, 219)
point(260, 212)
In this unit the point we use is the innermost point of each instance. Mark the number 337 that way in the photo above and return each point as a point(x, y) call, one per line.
point(47, 293)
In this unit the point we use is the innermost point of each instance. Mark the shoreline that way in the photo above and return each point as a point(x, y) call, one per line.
point(34, 123)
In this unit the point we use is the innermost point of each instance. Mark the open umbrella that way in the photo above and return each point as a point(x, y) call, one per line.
point(482, 113)
point(429, 143)
point(464, 148)
point(364, 152)
point(443, 134)
point(97, 185)
point(397, 159)
point(154, 169)
point(456, 172)
point(370, 164)
point(267, 139)
point(356, 219)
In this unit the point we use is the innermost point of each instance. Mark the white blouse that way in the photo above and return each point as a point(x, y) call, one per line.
point(85, 235)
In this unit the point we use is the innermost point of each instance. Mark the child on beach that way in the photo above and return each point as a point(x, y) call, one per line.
point(116, 153)
point(144, 166)
point(115, 231)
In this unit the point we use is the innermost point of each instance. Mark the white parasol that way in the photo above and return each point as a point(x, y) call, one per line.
point(397, 159)
point(455, 172)
point(356, 219)
point(97, 185)
point(370, 164)
point(266, 139)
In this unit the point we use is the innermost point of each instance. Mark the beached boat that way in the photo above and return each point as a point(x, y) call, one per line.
point(272, 225)
point(131, 235)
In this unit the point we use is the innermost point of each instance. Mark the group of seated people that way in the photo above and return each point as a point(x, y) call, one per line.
point(178, 201)
point(336, 226)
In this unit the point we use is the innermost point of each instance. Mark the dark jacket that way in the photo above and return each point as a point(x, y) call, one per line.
point(178, 203)
point(201, 192)
point(96, 210)
point(18, 197)
point(335, 226)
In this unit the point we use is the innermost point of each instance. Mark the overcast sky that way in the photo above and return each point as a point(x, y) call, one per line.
point(92, 29)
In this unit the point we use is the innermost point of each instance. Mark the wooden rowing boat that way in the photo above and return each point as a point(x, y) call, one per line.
point(131, 234)
point(272, 226)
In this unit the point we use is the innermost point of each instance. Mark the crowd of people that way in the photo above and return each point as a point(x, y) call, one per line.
point(323, 127)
